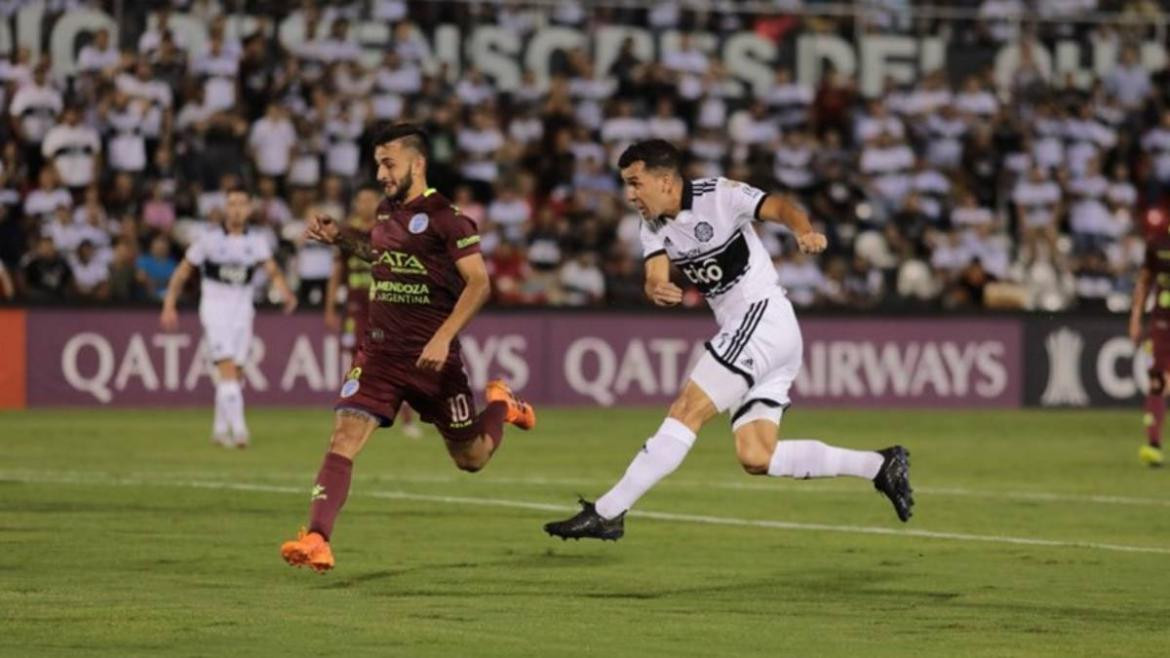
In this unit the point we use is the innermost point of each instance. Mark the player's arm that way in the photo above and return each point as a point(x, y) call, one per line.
point(351, 241)
point(277, 277)
point(170, 316)
point(1141, 290)
point(331, 289)
point(476, 290)
point(658, 287)
point(779, 209)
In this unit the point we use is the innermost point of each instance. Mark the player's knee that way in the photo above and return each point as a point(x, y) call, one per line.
point(1157, 382)
point(753, 456)
point(471, 463)
point(345, 443)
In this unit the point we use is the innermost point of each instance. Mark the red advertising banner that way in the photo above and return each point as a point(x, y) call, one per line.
point(13, 352)
point(577, 358)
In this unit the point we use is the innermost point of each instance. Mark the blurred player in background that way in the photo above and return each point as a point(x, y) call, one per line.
point(354, 273)
point(227, 257)
point(704, 227)
point(428, 279)
point(1154, 276)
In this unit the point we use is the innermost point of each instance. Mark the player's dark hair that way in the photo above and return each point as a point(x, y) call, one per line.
point(236, 189)
point(656, 154)
point(413, 137)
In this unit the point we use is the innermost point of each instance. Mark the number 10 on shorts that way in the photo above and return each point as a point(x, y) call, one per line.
point(460, 408)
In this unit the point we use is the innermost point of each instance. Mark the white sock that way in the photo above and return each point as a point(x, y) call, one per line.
point(806, 458)
point(219, 426)
point(658, 458)
point(233, 404)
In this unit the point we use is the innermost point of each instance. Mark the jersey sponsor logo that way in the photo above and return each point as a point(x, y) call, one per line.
point(418, 223)
point(466, 242)
point(399, 292)
point(231, 274)
point(704, 232)
point(716, 271)
point(401, 262)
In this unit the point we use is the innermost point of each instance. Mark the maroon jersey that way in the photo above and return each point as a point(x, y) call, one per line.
point(1158, 264)
point(357, 277)
point(415, 283)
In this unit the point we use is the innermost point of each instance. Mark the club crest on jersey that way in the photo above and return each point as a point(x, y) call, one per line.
point(350, 388)
point(418, 223)
point(704, 232)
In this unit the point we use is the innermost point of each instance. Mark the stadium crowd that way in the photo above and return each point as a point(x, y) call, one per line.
point(946, 193)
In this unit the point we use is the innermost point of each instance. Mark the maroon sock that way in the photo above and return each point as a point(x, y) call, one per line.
point(329, 493)
point(491, 422)
point(1155, 414)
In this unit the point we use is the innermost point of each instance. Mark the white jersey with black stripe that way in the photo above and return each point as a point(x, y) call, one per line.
point(713, 244)
point(227, 263)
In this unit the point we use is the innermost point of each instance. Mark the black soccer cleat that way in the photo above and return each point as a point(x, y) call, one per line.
point(588, 523)
point(893, 480)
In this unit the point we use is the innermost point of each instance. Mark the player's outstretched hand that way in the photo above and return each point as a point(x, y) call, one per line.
point(434, 355)
point(290, 304)
point(322, 228)
point(666, 293)
point(812, 242)
point(169, 320)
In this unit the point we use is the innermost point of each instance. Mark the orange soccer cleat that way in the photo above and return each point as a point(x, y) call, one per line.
point(308, 549)
point(520, 413)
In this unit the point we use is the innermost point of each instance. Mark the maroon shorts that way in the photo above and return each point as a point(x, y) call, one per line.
point(379, 383)
point(1160, 338)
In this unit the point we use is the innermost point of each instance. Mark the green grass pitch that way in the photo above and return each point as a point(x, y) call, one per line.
point(126, 533)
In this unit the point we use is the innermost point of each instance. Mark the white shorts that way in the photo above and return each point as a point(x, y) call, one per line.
point(751, 363)
point(227, 338)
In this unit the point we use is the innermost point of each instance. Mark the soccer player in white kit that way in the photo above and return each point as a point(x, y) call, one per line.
point(704, 227)
point(227, 257)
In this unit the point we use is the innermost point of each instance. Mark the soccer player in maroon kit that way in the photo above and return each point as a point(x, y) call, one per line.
point(354, 273)
point(428, 281)
point(1154, 276)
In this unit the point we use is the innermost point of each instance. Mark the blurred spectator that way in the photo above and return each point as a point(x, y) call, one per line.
point(156, 267)
point(90, 274)
point(582, 280)
point(801, 278)
point(34, 108)
point(1129, 82)
point(42, 202)
point(73, 149)
point(125, 281)
point(45, 275)
point(270, 142)
point(100, 56)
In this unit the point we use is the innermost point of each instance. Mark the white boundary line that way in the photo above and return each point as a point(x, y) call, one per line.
point(105, 480)
point(749, 485)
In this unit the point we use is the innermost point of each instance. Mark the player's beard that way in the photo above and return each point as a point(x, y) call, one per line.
point(402, 188)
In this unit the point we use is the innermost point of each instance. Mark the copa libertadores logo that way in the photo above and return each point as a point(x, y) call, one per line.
point(1064, 347)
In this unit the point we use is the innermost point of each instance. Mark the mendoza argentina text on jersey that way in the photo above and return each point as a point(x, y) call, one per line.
point(713, 244)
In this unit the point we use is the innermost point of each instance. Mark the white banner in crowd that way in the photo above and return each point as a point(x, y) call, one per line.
point(503, 55)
